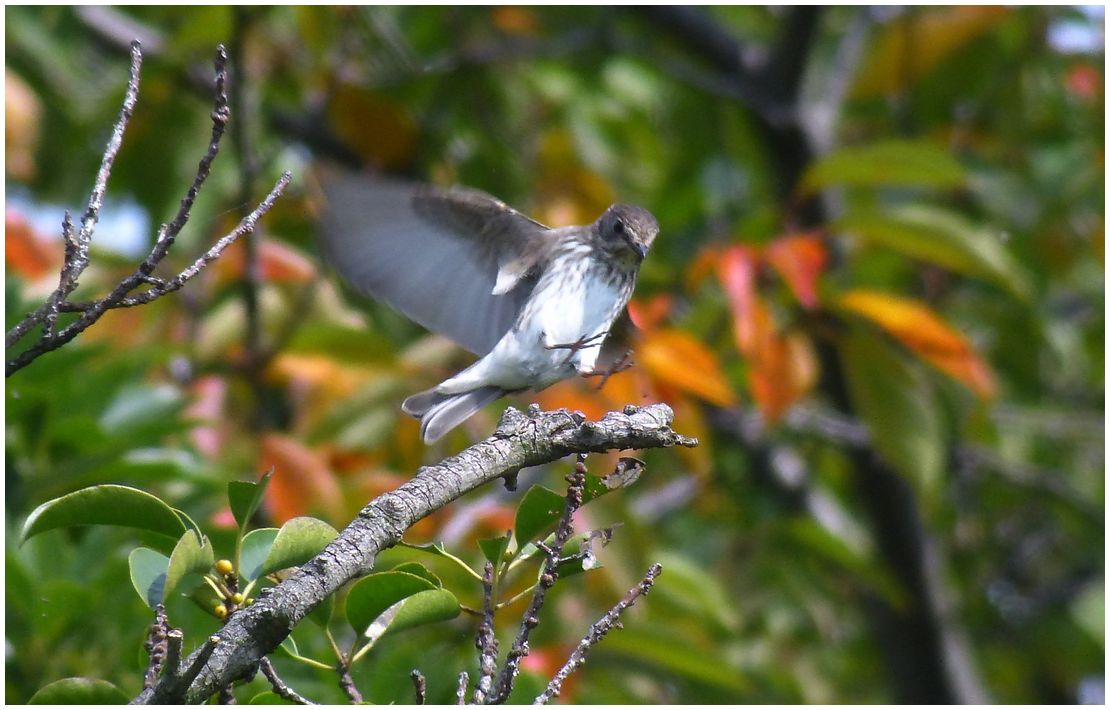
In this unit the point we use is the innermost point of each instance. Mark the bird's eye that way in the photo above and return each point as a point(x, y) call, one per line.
point(618, 227)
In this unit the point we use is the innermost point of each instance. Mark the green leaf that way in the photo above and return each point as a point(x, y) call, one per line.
point(148, 574)
point(79, 691)
point(494, 548)
point(192, 555)
point(298, 541)
point(419, 570)
point(269, 697)
point(674, 655)
point(287, 648)
point(526, 688)
point(256, 547)
point(375, 593)
point(942, 237)
point(105, 505)
point(244, 497)
point(886, 163)
point(206, 598)
point(423, 608)
point(898, 406)
point(432, 548)
point(137, 406)
point(539, 509)
point(816, 539)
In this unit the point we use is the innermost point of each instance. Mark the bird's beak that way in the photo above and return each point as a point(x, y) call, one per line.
point(638, 247)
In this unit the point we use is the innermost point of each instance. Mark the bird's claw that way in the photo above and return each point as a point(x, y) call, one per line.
point(580, 344)
point(622, 364)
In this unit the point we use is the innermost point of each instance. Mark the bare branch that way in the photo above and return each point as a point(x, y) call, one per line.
point(486, 641)
point(420, 685)
point(460, 692)
point(77, 245)
point(521, 440)
point(157, 646)
point(347, 683)
point(279, 686)
point(602, 626)
point(548, 576)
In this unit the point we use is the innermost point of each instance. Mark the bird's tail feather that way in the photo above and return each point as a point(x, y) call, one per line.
point(440, 413)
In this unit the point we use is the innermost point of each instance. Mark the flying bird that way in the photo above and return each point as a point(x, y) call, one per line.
point(536, 303)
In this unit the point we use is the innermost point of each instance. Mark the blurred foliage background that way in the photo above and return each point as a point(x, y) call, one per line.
point(877, 299)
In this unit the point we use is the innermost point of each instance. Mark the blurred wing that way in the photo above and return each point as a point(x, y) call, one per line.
point(436, 255)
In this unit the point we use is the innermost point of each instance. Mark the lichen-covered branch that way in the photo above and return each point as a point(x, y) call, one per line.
point(521, 440)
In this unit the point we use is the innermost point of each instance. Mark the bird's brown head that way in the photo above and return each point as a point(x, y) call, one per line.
point(628, 230)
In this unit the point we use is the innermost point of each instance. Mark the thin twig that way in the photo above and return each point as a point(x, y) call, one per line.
point(279, 686)
point(460, 692)
point(77, 244)
point(602, 626)
point(175, 641)
point(548, 577)
point(486, 641)
point(420, 685)
point(246, 226)
point(346, 682)
point(157, 646)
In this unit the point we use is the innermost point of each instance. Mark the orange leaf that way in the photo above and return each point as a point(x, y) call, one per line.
point(575, 396)
point(278, 263)
point(25, 251)
point(800, 259)
point(925, 333)
point(783, 371)
point(302, 483)
point(702, 266)
point(682, 361)
point(737, 272)
point(650, 313)
point(512, 19)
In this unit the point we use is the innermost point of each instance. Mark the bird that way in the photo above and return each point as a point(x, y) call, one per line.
point(537, 304)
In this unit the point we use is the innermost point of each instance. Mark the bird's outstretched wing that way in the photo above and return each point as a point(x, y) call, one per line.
point(457, 261)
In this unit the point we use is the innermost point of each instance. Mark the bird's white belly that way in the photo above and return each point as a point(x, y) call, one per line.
point(524, 358)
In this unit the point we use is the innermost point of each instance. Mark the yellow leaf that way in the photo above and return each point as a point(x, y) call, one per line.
point(913, 44)
point(680, 360)
point(926, 334)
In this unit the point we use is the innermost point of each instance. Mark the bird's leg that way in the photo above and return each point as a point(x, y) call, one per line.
point(623, 363)
point(580, 344)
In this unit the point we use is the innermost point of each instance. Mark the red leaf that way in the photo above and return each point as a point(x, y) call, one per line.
point(737, 272)
point(800, 259)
